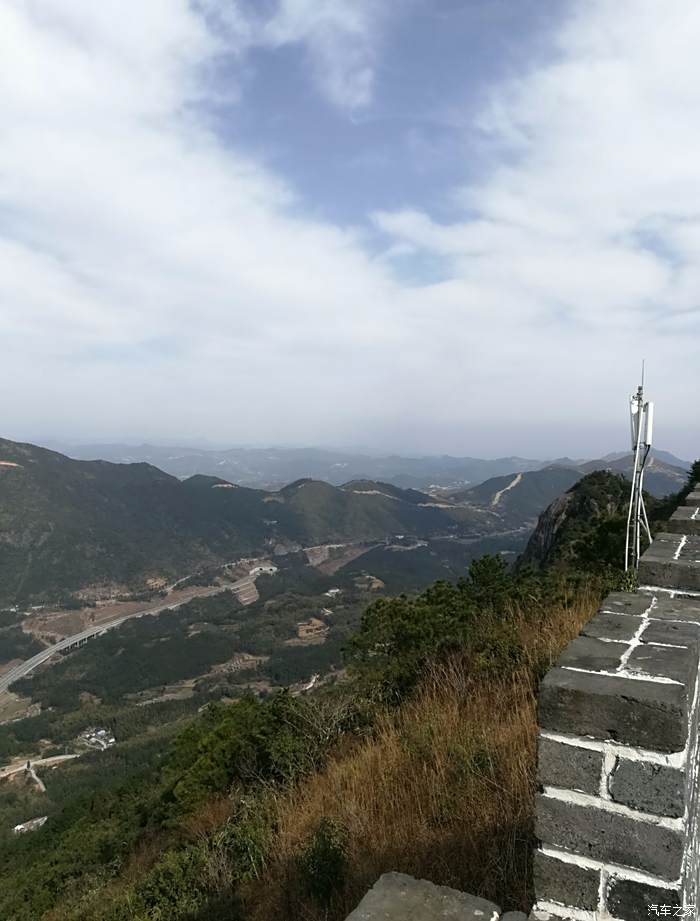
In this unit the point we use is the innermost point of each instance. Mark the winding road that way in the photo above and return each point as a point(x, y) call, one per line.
point(497, 497)
point(77, 639)
point(18, 766)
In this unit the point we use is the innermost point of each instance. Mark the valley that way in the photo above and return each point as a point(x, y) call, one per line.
point(76, 531)
point(144, 599)
point(73, 532)
point(151, 607)
point(311, 600)
point(102, 546)
point(110, 617)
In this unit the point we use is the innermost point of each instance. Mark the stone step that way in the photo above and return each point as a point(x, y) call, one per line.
point(397, 897)
point(685, 520)
point(692, 498)
point(672, 561)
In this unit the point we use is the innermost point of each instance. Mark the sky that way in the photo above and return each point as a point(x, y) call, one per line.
point(425, 226)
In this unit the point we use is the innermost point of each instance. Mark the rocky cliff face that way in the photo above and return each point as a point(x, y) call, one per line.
point(544, 538)
point(581, 516)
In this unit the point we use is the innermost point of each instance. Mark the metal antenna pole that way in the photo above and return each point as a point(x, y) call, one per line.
point(646, 520)
point(632, 541)
point(642, 420)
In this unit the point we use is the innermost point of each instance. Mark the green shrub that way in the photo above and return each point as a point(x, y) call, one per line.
point(244, 840)
point(173, 890)
point(243, 745)
point(322, 865)
point(398, 636)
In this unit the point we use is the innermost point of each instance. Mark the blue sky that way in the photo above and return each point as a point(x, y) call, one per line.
point(413, 140)
point(408, 225)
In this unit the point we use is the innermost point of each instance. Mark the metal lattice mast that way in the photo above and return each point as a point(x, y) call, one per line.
point(642, 422)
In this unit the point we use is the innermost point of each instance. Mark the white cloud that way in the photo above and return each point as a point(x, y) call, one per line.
point(591, 214)
point(135, 245)
point(156, 282)
point(341, 38)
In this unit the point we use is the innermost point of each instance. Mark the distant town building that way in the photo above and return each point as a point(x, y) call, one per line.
point(312, 630)
point(97, 738)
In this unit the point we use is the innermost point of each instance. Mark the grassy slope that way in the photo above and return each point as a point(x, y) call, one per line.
point(443, 790)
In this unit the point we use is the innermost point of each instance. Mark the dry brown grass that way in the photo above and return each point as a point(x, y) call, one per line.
point(443, 790)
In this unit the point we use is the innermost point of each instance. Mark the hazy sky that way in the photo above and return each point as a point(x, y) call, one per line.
point(426, 225)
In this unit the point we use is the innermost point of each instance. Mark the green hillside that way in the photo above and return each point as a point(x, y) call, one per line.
point(661, 478)
point(576, 519)
point(521, 497)
point(588, 523)
point(67, 525)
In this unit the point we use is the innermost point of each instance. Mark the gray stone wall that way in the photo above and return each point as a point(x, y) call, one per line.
point(617, 808)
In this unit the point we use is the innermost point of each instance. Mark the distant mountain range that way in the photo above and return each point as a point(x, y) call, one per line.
point(272, 468)
point(663, 475)
point(519, 499)
point(68, 525)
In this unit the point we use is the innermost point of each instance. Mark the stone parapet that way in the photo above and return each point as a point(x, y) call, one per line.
point(616, 816)
point(685, 520)
point(673, 562)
